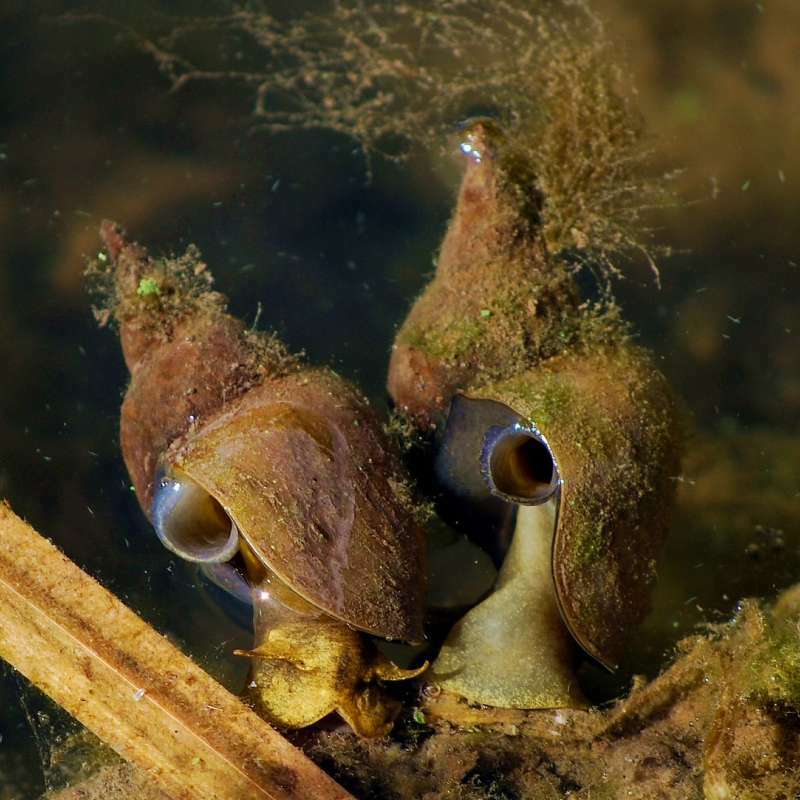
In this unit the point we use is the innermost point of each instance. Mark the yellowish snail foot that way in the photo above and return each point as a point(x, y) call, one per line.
point(513, 650)
point(305, 669)
point(307, 665)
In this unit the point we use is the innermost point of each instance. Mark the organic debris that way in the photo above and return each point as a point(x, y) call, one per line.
point(721, 722)
point(131, 687)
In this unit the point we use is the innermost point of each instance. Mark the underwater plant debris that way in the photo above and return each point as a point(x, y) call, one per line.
point(82, 647)
point(396, 77)
point(702, 730)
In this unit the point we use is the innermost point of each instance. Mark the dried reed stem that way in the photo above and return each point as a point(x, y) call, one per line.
point(132, 688)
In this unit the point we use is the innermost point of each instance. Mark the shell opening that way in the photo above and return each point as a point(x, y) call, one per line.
point(191, 523)
point(519, 466)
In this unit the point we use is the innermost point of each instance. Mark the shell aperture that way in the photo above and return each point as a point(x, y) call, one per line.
point(490, 450)
point(190, 522)
point(518, 465)
point(490, 458)
point(457, 463)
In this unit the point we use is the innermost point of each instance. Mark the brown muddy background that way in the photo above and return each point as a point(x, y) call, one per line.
point(90, 129)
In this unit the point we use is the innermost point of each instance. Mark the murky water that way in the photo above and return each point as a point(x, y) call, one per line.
point(304, 244)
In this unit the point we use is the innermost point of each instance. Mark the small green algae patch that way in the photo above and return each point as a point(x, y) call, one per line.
point(590, 541)
point(148, 287)
point(544, 398)
point(772, 672)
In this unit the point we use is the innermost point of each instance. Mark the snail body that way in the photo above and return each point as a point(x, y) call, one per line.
point(530, 396)
point(512, 649)
point(237, 450)
point(308, 664)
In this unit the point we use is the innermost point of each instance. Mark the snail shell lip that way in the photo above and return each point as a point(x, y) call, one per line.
point(518, 464)
point(585, 645)
point(515, 462)
point(210, 554)
point(182, 513)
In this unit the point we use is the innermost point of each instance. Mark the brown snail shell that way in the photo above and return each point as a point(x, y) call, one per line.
point(529, 394)
point(305, 486)
point(293, 455)
point(233, 444)
point(606, 422)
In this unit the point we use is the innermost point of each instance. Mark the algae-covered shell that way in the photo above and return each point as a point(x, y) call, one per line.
point(288, 457)
point(603, 427)
point(525, 391)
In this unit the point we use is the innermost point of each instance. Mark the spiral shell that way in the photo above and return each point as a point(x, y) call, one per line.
point(289, 457)
point(527, 392)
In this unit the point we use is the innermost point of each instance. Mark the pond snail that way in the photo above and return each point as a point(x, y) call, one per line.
point(236, 449)
point(556, 442)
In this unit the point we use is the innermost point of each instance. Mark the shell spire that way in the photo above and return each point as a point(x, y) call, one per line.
point(187, 356)
point(496, 301)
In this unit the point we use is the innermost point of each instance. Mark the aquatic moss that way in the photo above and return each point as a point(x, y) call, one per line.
point(534, 315)
point(402, 433)
point(396, 76)
point(772, 670)
point(455, 337)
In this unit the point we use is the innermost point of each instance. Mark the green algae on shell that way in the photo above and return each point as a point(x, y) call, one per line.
point(609, 420)
point(567, 371)
point(492, 258)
